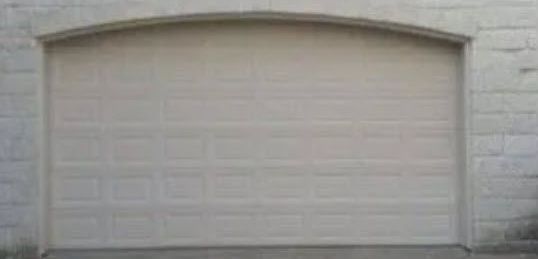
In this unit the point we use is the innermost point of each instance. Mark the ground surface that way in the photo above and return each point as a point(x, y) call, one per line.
point(289, 253)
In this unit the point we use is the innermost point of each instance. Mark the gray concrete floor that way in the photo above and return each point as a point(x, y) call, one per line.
point(288, 253)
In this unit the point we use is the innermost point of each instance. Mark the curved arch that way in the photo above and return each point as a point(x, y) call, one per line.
point(126, 14)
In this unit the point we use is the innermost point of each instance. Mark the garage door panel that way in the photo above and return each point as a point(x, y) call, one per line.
point(285, 147)
point(132, 148)
point(331, 109)
point(283, 184)
point(186, 147)
point(183, 185)
point(183, 109)
point(234, 147)
point(77, 147)
point(184, 227)
point(229, 110)
point(78, 229)
point(232, 227)
point(227, 63)
point(333, 226)
point(281, 65)
point(120, 111)
point(430, 110)
point(231, 184)
point(76, 111)
point(381, 110)
point(130, 227)
point(228, 90)
point(77, 189)
point(260, 133)
point(285, 89)
point(65, 78)
point(334, 186)
point(126, 69)
point(131, 188)
point(429, 148)
point(182, 72)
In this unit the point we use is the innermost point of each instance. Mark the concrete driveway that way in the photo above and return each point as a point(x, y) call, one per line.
point(288, 253)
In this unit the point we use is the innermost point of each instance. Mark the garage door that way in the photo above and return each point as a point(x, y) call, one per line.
point(252, 133)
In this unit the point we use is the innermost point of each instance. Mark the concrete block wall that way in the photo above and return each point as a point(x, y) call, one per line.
point(503, 115)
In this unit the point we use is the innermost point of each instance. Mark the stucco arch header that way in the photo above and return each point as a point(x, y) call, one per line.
point(126, 14)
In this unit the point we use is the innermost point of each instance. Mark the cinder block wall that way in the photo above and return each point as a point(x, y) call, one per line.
point(503, 116)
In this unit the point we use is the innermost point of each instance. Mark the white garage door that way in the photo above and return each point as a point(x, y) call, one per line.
point(245, 133)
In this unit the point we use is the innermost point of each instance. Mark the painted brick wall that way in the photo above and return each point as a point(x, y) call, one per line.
point(504, 113)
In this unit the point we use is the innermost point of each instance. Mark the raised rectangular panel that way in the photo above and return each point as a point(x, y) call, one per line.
point(336, 90)
point(171, 71)
point(81, 148)
point(280, 65)
point(184, 147)
point(299, 90)
point(435, 110)
point(429, 168)
point(283, 183)
point(230, 226)
point(375, 206)
point(291, 147)
point(229, 110)
point(379, 226)
point(230, 90)
point(128, 188)
point(233, 147)
point(330, 225)
point(184, 226)
point(426, 226)
point(76, 189)
point(338, 64)
point(132, 226)
point(231, 183)
point(282, 225)
point(131, 111)
point(184, 184)
point(427, 187)
point(437, 88)
point(436, 206)
point(331, 109)
point(130, 89)
point(127, 65)
point(381, 148)
point(428, 129)
point(381, 110)
point(380, 130)
point(66, 77)
point(333, 186)
point(127, 72)
point(281, 110)
point(334, 148)
point(76, 229)
point(183, 109)
point(224, 63)
point(429, 148)
point(127, 148)
point(73, 111)
point(385, 168)
point(369, 187)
